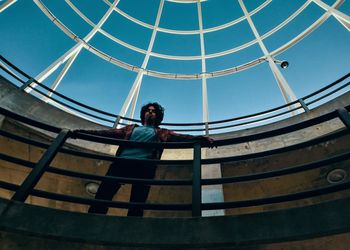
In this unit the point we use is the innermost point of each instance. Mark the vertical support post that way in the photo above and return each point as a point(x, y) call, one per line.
point(135, 88)
point(116, 122)
point(27, 84)
point(204, 69)
point(344, 116)
point(196, 181)
point(39, 169)
point(206, 126)
point(303, 104)
point(136, 97)
point(287, 92)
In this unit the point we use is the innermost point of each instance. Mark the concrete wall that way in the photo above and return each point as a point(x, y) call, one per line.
point(19, 102)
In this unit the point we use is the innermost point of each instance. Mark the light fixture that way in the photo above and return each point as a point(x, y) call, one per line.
point(336, 175)
point(283, 64)
point(91, 188)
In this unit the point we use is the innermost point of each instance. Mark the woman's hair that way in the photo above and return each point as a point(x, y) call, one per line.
point(159, 112)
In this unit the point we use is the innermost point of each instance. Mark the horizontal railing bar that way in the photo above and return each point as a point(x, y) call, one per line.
point(8, 186)
point(240, 124)
point(278, 172)
point(29, 121)
point(14, 67)
point(23, 139)
point(92, 155)
point(278, 131)
point(196, 124)
point(205, 206)
point(112, 141)
point(327, 86)
point(12, 74)
point(266, 111)
point(256, 121)
point(57, 93)
point(312, 142)
point(71, 107)
point(174, 124)
point(262, 135)
point(90, 201)
point(82, 175)
point(277, 199)
point(223, 159)
point(115, 159)
point(203, 161)
point(213, 181)
point(115, 204)
point(328, 94)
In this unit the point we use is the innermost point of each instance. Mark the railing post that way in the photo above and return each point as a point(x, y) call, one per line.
point(116, 122)
point(303, 104)
point(34, 176)
point(196, 181)
point(27, 84)
point(344, 116)
point(206, 129)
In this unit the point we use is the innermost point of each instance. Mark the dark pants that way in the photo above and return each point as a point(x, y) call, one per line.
point(139, 192)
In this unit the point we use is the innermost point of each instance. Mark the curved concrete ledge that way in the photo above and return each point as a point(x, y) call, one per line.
point(27, 105)
point(243, 230)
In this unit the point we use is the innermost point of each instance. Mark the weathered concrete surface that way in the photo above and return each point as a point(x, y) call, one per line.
point(294, 183)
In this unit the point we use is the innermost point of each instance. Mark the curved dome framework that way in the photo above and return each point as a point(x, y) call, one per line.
point(246, 20)
point(254, 174)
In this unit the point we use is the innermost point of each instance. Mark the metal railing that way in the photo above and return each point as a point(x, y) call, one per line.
point(303, 104)
point(196, 182)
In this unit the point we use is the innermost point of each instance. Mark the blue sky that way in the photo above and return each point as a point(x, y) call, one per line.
point(32, 42)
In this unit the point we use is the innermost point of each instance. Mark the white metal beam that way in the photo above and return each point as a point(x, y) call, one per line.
point(204, 69)
point(72, 53)
point(6, 4)
point(173, 57)
point(287, 92)
point(340, 16)
point(134, 91)
point(168, 75)
point(189, 32)
point(134, 102)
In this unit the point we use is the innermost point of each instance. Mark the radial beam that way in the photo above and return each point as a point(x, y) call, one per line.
point(72, 53)
point(193, 57)
point(168, 75)
point(189, 32)
point(204, 69)
point(134, 102)
point(287, 92)
point(134, 91)
point(340, 16)
point(6, 4)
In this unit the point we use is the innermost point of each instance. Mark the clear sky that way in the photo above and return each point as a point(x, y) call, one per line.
point(32, 42)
